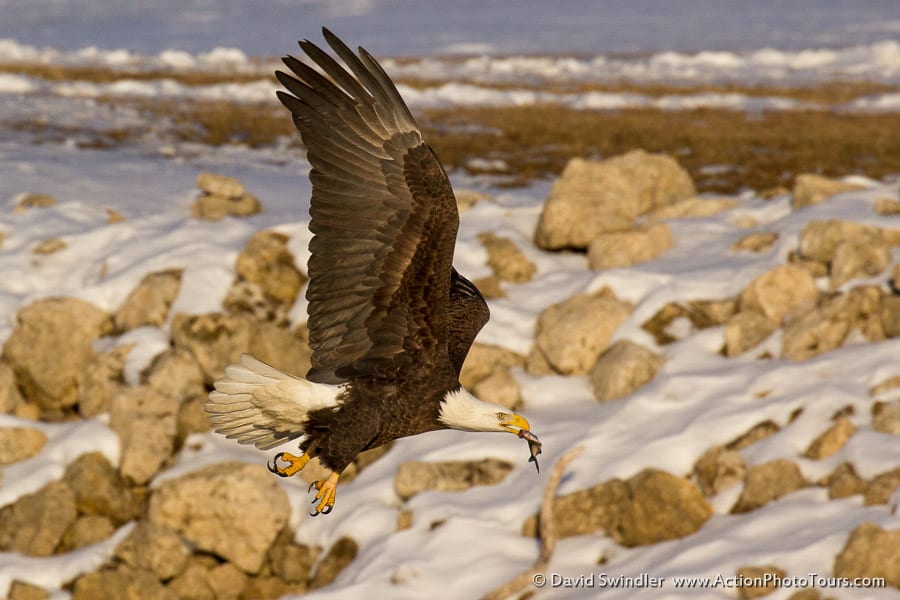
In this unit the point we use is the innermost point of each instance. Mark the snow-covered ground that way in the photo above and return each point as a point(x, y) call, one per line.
point(698, 400)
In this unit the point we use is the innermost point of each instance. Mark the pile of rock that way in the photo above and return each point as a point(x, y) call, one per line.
point(221, 197)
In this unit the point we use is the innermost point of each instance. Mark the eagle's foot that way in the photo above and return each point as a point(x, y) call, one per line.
point(295, 464)
point(326, 494)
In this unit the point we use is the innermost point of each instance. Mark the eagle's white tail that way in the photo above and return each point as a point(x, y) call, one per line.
point(256, 403)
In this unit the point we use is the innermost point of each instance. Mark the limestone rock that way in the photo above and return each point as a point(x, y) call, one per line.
point(289, 561)
point(338, 556)
point(148, 304)
point(778, 292)
point(500, 387)
point(19, 590)
point(701, 314)
point(746, 330)
point(223, 196)
point(51, 345)
point(719, 469)
point(176, 374)
point(591, 198)
point(99, 489)
point(101, 381)
point(844, 482)
point(507, 261)
point(887, 206)
point(466, 199)
point(20, 443)
point(623, 368)
point(415, 477)
point(881, 487)
point(484, 359)
point(890, 315)
point(625, 248)
point(154, 548)
point(572, 334)
point(887, 418)
point(267, 263)
point(865, 255)
point(756, 242)
point(819, 240)
point(692, 207)
point(758, 432)
point(490, 287)
point(222, 503)
point(766, 575)
point(87, 530)
point(123, 582)
point(590, 510)
point(831, 440)
point(145, 421)
point(10, 397)
point(891, 383)
point(767, 482)
point(812, 189)
point(34, 201)
point(35, 524)
point(870, 552)
point(50, 246)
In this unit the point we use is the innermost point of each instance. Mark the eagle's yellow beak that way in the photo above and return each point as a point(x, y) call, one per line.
point(515, 423)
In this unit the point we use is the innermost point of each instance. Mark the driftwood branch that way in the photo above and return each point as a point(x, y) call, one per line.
point(546, 533)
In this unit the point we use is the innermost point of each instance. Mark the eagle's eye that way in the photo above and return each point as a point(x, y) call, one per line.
point(501, 416)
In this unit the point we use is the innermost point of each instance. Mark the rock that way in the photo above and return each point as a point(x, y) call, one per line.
point(113, 217)
point(466, 199)
point(490, 287)
point(148, 304)
point(506, 260)
point(650, 507)
point(768, 482)
point(844, 482)
point(891, 383)
point(870, 551)
point(701, 314)
point(778, 292)
point(35, 524)
point(51, 346)
point(662, 507)
point(10, 397)
point(19, 590)
point(154, 548)
point(758, 432)
point(485, 359)
point(415, 477)
point(121, 583)
point(34, 201)
point(831, 440)
point(815, 268)
point(194, 584)
point(191, 418)
point(289, 561)
point(890, 316)
point(500, 387)
point(99, 489)
point(756, 242)
point(572, 334)
point(881, 487)
point(625, 248)
point(265, 587)
point(766, 575)
point(222, 503)
point(591, 198)
point(267, 263)
point(227, 581)
point(50, 246)
point(101, 381)
point(220, 185)
point(719, 469)
point(623, 368)
point(216, 340)
point(865, 255)
point(819, 240)
point(746, 330)
point(87, 530)
point(175, 374)
point(404, 520)
point(20, 443)
point(827, 326)
point(692, 207)
point(145, 421)
point(812, 189)
point(887, 206)
point(887, 418)
point(339, 556)
point(223, 196)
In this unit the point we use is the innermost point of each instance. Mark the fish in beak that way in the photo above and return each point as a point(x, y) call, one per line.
point(518, 425)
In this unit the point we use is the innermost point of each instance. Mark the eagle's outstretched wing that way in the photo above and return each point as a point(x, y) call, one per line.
point(383, 216)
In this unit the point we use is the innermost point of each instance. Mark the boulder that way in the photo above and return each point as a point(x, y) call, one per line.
point(623, 368)
point(812, 189)
point(151, 547)
point(718, 469)
point(819, 240)
point(625, 248)
point(20, 443)
point(886, 418)
point(758, 432)
point(756, 242)
point(776, 293)
point(100, 490)
point(485, 359)
point(145, 421)
point(870, 551)
point(746, 330)
point(20, 590)
point(865, 255)
point(176, 374)
point(49, 246)
point(335, 560)
point(890, 315)
point(101, 381)
point(881, 487)
point(572, 334)
point(500, 387)
point(10, 397)
point(87, 530)
point(291, 562)
point(415, 477)
point(148, 304)
point(844, 481)
point(35, 524)
point(505, 259)
point(768, 482)
point(122, 582)
point(266, 262)
point(30, 200)
point(692, 208)
point(223, 196)
point(887, 206)
point(766, 575)
point(221, 504)
point(831, 440)
point(50, 347)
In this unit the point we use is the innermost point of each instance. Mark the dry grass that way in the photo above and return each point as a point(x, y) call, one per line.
point(101, 74)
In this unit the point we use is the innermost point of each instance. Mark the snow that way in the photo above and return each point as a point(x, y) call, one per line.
point(699, 399)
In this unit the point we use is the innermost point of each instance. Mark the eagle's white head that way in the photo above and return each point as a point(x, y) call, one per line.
point(461, 410)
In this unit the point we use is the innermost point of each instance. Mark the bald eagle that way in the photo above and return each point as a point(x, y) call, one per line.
point(390, 320)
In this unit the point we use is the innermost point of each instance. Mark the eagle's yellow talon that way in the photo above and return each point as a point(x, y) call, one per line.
point(296, 464)
point(327, 491)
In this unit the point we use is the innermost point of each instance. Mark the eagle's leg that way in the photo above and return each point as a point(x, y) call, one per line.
point(295, 463)
point(326, 494)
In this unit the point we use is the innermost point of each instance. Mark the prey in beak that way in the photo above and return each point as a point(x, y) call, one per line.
point(518, 425)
